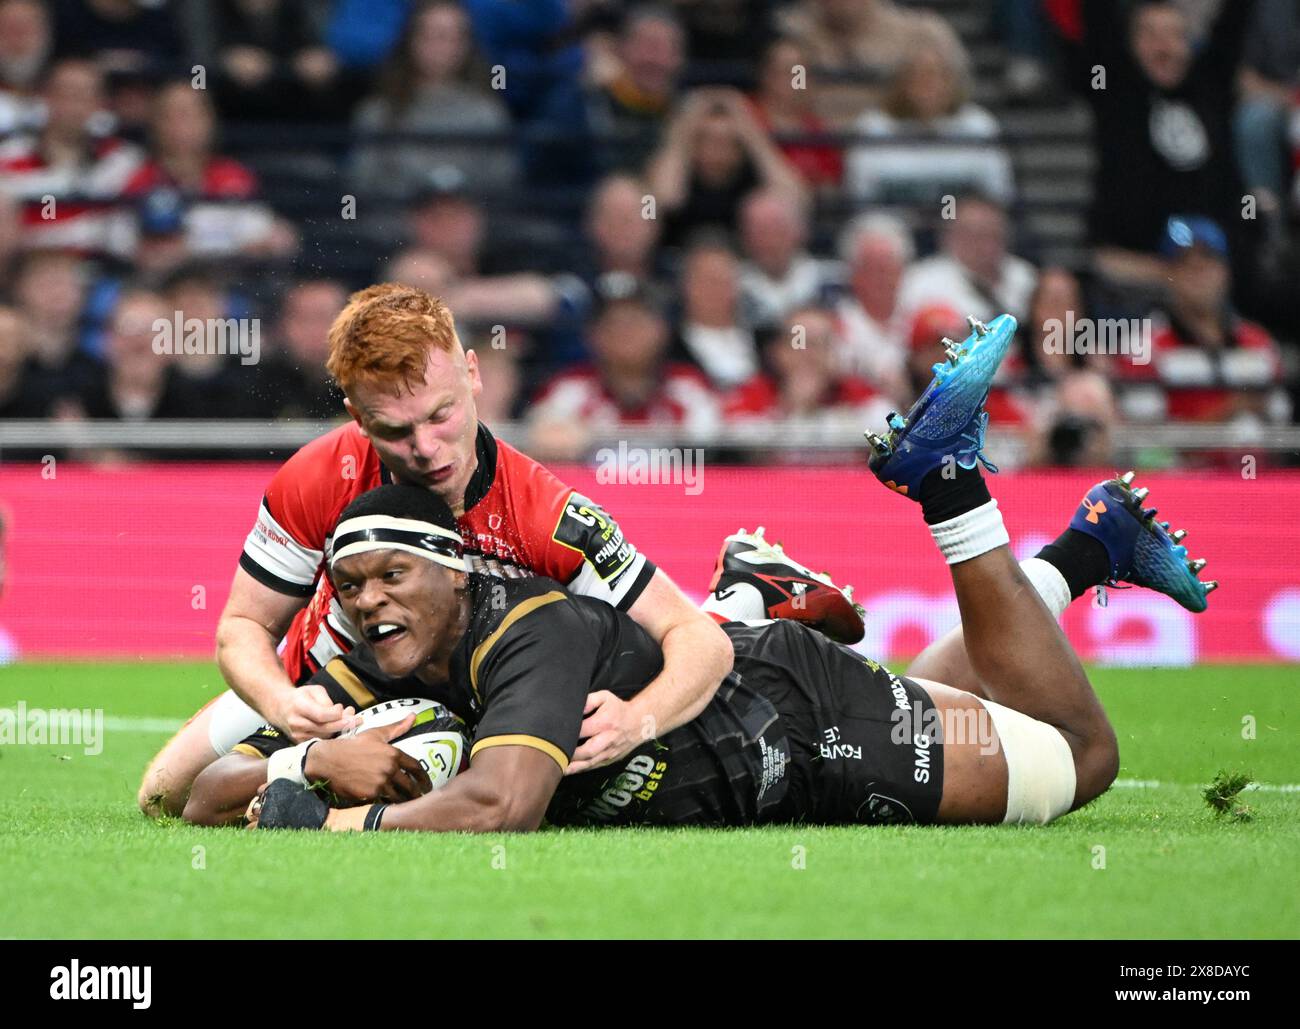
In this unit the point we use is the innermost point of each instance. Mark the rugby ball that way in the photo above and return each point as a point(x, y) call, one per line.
point(438, 739)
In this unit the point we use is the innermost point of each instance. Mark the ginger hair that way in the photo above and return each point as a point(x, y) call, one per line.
point(382, 337)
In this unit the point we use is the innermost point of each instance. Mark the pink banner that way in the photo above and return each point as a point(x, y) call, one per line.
point(137, 562)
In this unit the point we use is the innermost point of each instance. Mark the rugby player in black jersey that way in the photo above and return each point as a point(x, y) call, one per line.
point(803, 729)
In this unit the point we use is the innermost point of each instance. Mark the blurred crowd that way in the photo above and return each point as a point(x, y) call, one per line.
point(689, 213)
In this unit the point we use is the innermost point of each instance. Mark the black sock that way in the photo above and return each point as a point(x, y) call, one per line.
point(1080, 558)
point(944, 497)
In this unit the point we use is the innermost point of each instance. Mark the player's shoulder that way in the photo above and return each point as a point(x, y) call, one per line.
point(498, 603)
point(309, 490)
point(338, 462)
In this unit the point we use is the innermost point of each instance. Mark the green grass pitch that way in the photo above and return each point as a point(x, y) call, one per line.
point(78, 860)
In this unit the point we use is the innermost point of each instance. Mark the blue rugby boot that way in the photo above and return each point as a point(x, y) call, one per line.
point(949, 420)
point(1142, 551)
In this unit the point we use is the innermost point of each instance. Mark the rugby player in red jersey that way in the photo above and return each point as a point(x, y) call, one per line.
point(410, 389)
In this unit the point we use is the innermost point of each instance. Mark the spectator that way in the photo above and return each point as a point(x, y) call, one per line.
point(779, 273)
point(498, 366)
point(73, 161)
point(50, 292)
point(712, 333)
point(429, 88)
point(221, 384)
point(271, 61)
point(1163, 127)
point(623, 235)
point(874, 328)
point(973, 271)
point(628, 382)
point(928, 100)
point(223, 216)
point(139, 384)
point(536, 42)
point(17, 397)
point(785, 104)
point(615, 125)
point(623, 244)
point(803, 381)
point(714, 153)
point(293, 383)
point(25, 41)
point(858, 44)
point(1045, 348)
point(1270, 84)
point(1078, 426)
point(1214, 366)
point(126, 36)
point(444, 219)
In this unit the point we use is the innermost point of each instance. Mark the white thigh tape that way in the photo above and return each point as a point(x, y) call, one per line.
point(230, 720)
point(1040, 767)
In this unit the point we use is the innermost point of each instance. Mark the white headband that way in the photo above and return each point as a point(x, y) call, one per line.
point(383, 532)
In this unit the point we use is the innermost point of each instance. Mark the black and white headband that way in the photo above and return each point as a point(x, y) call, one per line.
point(383, 532)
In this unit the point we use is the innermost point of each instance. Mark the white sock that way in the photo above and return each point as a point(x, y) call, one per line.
point(1049, 583)
point(742, 603)
point(971, 534)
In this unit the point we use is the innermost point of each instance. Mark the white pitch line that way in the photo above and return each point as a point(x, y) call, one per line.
point(134, 724)
point(1155, 784)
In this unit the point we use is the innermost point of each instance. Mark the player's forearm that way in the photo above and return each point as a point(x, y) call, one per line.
point(222, 792)
point(466, 804)
point(697, 657)
point(249, 664)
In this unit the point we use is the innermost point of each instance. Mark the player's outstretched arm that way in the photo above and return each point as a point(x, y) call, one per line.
point(505, 789)
point(697, 656)
point(356, 770)
point(223, 790)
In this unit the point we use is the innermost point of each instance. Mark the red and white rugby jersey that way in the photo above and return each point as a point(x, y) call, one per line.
point(85, 216)
point(519, 520)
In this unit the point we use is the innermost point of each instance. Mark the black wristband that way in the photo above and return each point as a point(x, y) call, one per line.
point(374, 816)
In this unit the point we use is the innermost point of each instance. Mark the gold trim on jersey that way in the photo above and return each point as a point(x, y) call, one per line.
point(347, 678)
point(246, 748)
point(527, 607)
point(520, 740)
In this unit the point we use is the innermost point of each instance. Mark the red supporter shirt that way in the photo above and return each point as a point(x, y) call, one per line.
point(519, 520)
point(83, 215)
point(222, 178)
point(1202, 383)
point(683, 397)
point(761, 398)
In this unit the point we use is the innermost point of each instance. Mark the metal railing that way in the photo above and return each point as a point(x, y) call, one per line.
point(259, 439)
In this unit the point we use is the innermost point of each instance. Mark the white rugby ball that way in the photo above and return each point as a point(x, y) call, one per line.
point(437, 739)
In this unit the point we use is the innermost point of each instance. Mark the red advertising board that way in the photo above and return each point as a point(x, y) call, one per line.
point(136, 562)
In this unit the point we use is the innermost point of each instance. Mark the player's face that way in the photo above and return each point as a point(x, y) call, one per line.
point(425, 435)
point(407, 608)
